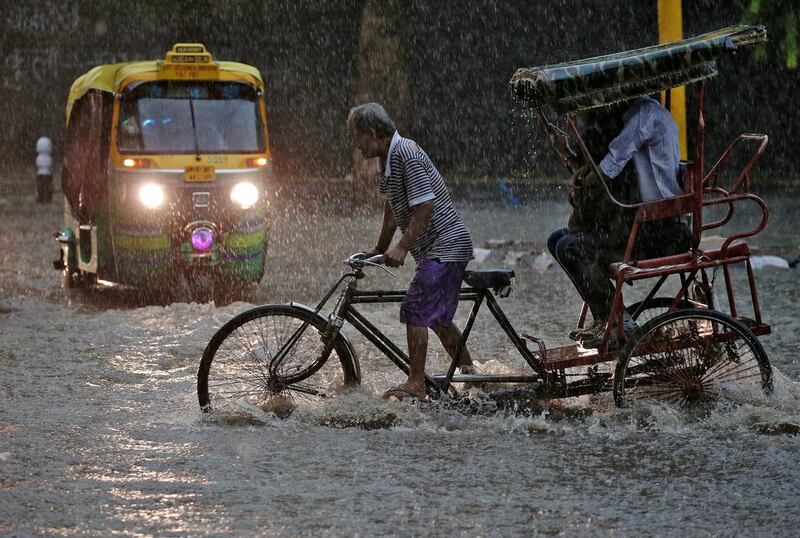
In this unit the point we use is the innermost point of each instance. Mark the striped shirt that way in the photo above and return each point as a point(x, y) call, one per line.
point(410, 179)
point(650, 139)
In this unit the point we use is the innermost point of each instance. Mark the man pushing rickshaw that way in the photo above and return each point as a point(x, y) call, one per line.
point(676, 348)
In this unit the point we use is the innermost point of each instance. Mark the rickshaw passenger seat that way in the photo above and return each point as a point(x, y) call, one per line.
point(683, 262)
point(488, 278)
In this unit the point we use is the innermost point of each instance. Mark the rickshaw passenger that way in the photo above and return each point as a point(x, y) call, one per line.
point(594, 215)
point(649, 140)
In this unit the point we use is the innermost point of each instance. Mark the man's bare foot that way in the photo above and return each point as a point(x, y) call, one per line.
point(406, 390)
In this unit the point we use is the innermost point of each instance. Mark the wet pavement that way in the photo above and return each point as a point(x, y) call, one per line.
point(101, 433)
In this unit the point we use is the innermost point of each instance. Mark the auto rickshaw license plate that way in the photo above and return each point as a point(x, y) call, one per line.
point(199, 173)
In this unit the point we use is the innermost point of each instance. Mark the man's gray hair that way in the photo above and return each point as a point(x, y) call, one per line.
point(371, 117)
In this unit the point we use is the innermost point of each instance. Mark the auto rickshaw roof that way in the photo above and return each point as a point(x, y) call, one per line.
point(604, 80)
point(111, 77)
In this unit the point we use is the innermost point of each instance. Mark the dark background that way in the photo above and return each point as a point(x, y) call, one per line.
point(460, 56)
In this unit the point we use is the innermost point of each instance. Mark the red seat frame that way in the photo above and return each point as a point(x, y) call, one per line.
point(701, 191)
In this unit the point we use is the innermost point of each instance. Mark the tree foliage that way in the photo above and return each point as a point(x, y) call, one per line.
point(782, 21)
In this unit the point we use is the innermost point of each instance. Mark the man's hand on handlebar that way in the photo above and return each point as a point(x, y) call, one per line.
point(361, 259)
point(370, 253)
point(371, 257)
point(395, 257)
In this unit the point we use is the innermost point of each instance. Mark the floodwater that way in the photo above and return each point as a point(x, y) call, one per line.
point(101, 434)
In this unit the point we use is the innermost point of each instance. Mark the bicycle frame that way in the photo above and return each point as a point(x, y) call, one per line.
point(550, 366)
point(346, 312)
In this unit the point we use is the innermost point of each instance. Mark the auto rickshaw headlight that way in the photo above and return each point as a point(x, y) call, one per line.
point(244, 194)
point(151, 195)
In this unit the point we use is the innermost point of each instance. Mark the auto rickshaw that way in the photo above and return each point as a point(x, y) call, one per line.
point(164, 176)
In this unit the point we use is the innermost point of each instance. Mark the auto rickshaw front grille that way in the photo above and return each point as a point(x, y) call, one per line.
point(201, 199)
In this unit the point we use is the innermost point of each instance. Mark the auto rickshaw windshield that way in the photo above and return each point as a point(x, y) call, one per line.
point(177, 117)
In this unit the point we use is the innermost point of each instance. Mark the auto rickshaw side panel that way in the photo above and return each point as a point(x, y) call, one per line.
point(85, 185)
point(142, 248)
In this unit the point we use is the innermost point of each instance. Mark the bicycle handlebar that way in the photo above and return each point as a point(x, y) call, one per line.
point(357, 261)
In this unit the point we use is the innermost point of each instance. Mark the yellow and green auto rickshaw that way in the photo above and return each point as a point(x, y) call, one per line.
point(164, 176)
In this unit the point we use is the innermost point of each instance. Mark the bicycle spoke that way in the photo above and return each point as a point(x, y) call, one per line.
point(682, 358)
point(277, 350)
point(252, 369)
point(305, 389)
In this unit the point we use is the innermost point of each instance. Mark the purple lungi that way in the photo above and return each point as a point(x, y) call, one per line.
point(432, 296)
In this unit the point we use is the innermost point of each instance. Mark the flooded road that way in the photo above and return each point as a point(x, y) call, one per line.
point(101, 434)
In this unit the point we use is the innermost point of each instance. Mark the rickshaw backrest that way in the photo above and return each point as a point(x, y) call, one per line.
point(683, 176)
point(701, 191)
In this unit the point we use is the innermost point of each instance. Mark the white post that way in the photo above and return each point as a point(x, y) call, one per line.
point(44, 170)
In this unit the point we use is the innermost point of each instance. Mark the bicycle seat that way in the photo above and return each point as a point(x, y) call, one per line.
point(488, 278)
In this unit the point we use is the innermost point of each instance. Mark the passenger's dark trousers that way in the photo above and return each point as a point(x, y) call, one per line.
point(586, 256)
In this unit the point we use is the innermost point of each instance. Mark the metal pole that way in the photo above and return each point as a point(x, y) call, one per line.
point(670, 28)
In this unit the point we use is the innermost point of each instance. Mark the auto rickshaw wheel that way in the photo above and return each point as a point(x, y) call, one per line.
point(691, 358)
point(225, 292)
point(88, 280)
point(72, 278)
point(200, 287)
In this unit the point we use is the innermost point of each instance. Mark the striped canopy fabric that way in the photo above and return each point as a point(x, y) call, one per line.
point(604, 80)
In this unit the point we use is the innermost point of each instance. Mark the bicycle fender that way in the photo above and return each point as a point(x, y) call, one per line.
point(343, 336)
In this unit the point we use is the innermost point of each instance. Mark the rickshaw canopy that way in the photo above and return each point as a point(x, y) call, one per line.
point(604, 80)
point(186, 61)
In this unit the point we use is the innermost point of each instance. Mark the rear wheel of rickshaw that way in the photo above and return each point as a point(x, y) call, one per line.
point(644, 311)
point(270, 357)
point(75, 278)
point(88, 280)
point(691, 358)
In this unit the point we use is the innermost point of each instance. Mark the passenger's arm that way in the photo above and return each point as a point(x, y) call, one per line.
point(634, 135)
point(583, 176)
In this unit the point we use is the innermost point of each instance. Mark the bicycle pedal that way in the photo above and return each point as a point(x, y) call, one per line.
point(542, 352)
point(530, 338)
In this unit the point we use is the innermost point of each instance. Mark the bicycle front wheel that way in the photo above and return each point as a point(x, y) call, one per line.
point(271, 350)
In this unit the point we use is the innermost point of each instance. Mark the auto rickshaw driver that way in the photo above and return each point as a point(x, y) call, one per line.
point(129, 132)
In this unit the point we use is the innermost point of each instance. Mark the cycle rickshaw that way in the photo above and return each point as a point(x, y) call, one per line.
point(686, 351)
